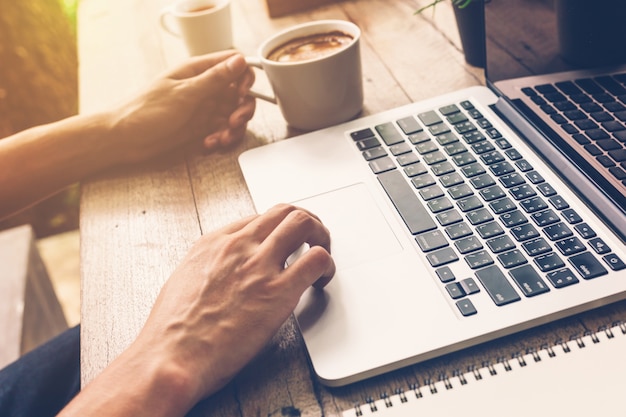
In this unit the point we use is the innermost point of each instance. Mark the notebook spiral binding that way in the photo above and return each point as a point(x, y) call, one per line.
point(371, 405)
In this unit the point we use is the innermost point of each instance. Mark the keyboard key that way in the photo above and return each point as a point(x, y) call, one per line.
point(562, 278)
point(451, 179)
point(571, 216)
point(545, 218)
point(429, 118)
point(614, 262)
point(382, 165)
point(362, 134)
point(478, 259)
point(472, 170)
point(489, 230)
point(502, 205)
point(529, 281)
point(599, 246)
point(523, 165)
point(513, 218)
point(374, 153)
point(445, 274)
point(449, 217)
point(570, 246)
point(512, 258)
point(455, 291)
point(407, 159)
point(428, 193)
point(500, 244)
point(410, 208)
point(466, 307)
point(587, 265)
point(585, 231)
point(415, 169)
point(482, 181)
point(524, 232)
point(368, 143)
point(468, 244)
point(422, 181)
point(557, 231)
point(546, 189)
point(469, 286)
point(497, 286)
point(522, 191)
point(442, 257)
point(458, 230)
point(536, 247)
point(531, 205)
point(431, 241)
point(409, 125)
point(479, 216)
point(511, 180)
point(549, 262)
point(438, 205)
point(469, 204)
point(389, 133)
point(460, 191)
point(558, 202)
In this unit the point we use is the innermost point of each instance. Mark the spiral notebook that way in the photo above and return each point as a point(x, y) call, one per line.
point(576, 378)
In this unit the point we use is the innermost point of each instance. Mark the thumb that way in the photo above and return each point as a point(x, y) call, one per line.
point(223, 74)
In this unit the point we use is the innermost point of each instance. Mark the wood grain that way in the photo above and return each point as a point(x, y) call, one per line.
point(137, 224)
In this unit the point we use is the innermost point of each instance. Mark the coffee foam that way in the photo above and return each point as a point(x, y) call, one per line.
point(310, 47)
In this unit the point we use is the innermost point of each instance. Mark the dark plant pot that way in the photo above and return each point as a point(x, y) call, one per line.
point(470, 21)
point(592, 33)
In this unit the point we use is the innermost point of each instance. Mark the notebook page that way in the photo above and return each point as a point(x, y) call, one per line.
point(578, 378)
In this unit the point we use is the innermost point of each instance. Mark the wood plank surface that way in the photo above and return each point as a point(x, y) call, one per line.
point(137, 224)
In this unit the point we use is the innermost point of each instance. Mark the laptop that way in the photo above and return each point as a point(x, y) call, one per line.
point(462, 218)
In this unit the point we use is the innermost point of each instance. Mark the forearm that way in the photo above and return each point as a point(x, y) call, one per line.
point(137, 384)
point(42, 160)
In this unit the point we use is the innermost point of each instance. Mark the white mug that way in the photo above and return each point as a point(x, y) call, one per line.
point(318, 92)
point(204, 25)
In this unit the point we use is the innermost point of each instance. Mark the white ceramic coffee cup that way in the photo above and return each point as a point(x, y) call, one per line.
point(315, 93)
point(204, 25)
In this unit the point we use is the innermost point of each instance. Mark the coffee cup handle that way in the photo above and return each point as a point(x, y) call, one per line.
point(166, 21)
point(256, 62)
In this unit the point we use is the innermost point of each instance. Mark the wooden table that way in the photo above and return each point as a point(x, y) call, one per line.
point(137, 224)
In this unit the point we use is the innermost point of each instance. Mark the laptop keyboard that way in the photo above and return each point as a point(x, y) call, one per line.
point(468, 196)
point(593, 112)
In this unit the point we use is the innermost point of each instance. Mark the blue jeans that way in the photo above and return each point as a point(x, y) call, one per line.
point(44, 380)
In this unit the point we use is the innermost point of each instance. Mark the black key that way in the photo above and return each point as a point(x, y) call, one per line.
point(570, 246)
point(482, 181)
point(362, 134)
point(442, 257)
point(419, 137)
point(545, 218)
point(415, 169)
point(458, 230)
point(501, 168)
point(468, 244)
point(382, 165)
point(434, 158)
point(472, 170)
point(558, 202)
point(479, 216)
point(497, 286)
point(426, 147)
point(502, 206)
point(511, 180)
point(409, 125)
point(489, 230)
point(571, 216)
point(451, 180)
point(457, 118)
point(447, 138)
point(464, 127)
point(599, 246)
point(409, 206)
point(466, 307)
point(469, 286)
point(512, 258)
point(454, 148)
point(367, 143)
point(449, 109)
point(531, 205)
point(513, 218)
point(492, 157)
point(549, 262)
point(562, 278)
point(534, 177)
point(460, 191)
point(492, 193)
point(478, 259)
point(536, 247)
point(449, 217)
point(463, 159)
point(469, 204)
point(585, 230)
point(438, 205)
point(546, 189)
point(431, 241)
point(614, 262)
point(513, 154)
point(445, 274)
point(455, 291)
point(524, 232)
point(524, 165)
point(428, 193)
point(374, 153)
point(400, 148)
point(442, 168)
point(528, 281)
point(407, 159)
point(587, 265)
point(557, 231)
point(429, 118)
point(389, 133)
point(521, 192)
point(422, 181)
point(500, 244)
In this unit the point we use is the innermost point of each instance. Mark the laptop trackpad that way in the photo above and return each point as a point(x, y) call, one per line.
point(358, 230)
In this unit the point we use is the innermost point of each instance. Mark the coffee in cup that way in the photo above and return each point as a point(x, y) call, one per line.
point(308, 47)
point(314, 70)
